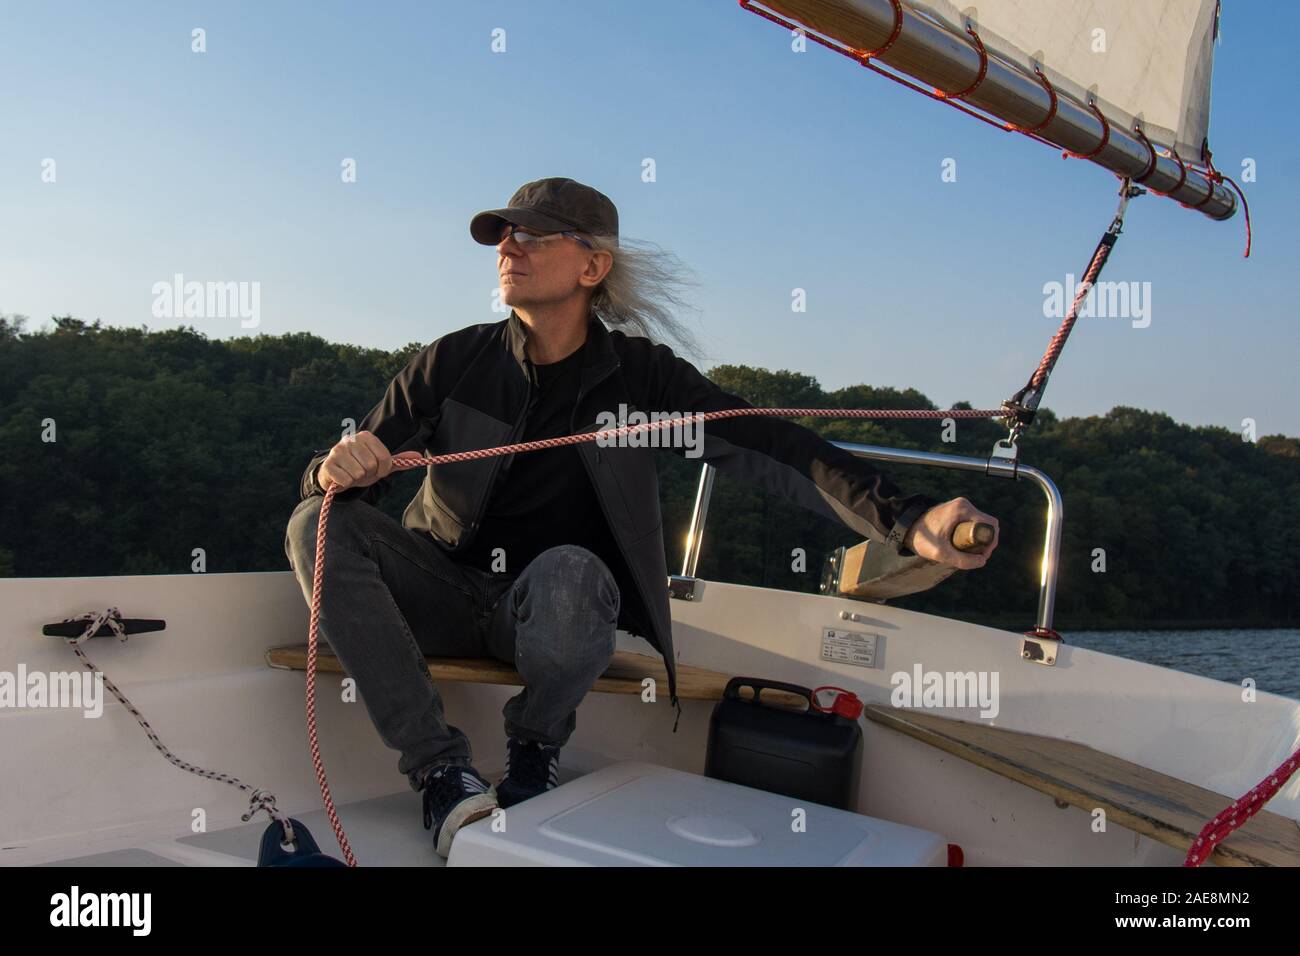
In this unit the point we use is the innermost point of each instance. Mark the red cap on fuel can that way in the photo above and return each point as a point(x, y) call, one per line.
point(846, 703)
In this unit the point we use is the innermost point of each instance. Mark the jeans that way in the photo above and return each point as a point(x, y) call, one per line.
point(392, 595)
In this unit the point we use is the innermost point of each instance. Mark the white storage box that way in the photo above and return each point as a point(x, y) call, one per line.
point(639, 814)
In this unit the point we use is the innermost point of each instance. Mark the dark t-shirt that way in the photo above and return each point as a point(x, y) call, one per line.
point(545, 498)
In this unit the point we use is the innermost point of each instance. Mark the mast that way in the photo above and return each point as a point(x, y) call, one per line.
point(936, 56)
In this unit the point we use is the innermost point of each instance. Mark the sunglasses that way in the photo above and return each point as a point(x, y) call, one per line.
point(532, 240)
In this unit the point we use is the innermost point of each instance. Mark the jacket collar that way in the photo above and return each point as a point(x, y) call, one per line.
point(598, 353)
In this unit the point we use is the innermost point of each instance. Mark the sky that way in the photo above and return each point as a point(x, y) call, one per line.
point(773, 171)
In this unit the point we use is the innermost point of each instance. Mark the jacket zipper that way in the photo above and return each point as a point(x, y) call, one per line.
point(497, 460)
point(595, 483)
point(582, 393)
point(591, 475)
point(646, 600)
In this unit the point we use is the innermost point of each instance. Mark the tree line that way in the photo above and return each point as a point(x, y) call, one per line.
point(166, 441)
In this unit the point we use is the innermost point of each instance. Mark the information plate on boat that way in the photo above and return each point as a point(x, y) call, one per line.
point(849, 647)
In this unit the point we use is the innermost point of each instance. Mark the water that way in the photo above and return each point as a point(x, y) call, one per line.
point(1270, 657)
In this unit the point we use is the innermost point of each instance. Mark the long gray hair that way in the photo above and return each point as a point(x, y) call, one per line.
point(642, 290)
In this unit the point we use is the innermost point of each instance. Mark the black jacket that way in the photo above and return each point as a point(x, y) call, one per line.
point(469, 389)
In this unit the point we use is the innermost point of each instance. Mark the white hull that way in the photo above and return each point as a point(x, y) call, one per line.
point(77, 787)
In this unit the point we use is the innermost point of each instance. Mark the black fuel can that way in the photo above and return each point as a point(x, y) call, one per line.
point(812, 754)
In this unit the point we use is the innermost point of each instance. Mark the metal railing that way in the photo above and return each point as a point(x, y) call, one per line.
point(996, 466)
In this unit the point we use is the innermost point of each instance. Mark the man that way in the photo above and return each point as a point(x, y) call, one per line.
point(536, 559)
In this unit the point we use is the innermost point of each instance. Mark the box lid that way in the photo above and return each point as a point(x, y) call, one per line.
point(640, 814)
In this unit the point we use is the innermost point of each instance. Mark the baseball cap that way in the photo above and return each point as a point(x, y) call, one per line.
point(556, 204)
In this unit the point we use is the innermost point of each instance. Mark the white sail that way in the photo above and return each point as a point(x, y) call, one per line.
point(1110, 64)
point(1142, 59)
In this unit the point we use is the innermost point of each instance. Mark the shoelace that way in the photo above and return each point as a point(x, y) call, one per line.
point(465, 782)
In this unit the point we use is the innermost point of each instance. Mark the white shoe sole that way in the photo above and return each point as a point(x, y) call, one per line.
point(467, 811)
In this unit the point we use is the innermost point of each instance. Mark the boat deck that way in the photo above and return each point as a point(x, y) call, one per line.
point(383, 831)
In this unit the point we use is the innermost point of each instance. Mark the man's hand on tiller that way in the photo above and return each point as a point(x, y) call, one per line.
point(931, 535)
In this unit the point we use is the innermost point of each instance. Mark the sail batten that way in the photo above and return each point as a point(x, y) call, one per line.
point(1166, 93)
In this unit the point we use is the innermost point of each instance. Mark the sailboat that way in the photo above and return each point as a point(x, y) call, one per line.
point(1078, 758)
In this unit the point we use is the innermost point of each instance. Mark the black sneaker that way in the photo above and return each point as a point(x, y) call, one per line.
point(454, 795)
point(531, 768)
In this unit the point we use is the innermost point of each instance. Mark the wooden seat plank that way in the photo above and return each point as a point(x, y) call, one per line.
point(1151, 803)
point(623, 676)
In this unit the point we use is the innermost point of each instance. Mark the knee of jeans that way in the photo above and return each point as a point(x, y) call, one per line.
point(575, 638)
point(300, 535)
point(302, 524)
point(569, 568)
